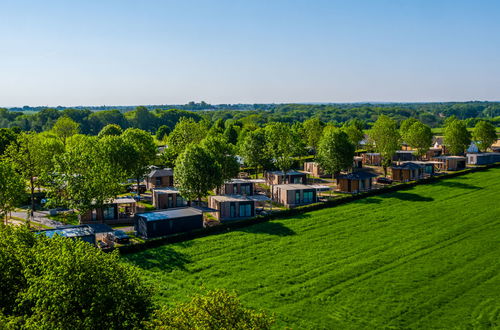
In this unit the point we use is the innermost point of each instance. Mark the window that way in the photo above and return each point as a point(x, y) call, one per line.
point(235, 188)
point(158, 181)
point(297, 179)
point(109, 213)
point(245, 189)
point(180, 201)
point(245, 210)
point(232, 210)
point(308, 196)
point(297, 197)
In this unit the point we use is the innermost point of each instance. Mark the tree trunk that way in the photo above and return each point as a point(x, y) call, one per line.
point(385, 170)
point(32, 211)
point(138, 188)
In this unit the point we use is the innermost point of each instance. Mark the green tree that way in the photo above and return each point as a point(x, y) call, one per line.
point(110, 129)
point(65, 127)
point(335, 151)
point(12, 188)
point(282, 144)
point(25, 156)
point(7, 136)
point(456, 136)
point(186, 131)
point(405, 127)
point(85, 179)
point(355, 134)
point(223, 154)
point(218, 309)
point(313, 130)
point(484, 134)
point(254, 151)
point(197, 172)
point(59, 283)
point(231, 134)
point(419, 137)
point(162, 132)
point(145, 152)
point(387, 139)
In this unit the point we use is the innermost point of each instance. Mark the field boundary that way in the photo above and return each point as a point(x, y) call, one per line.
point(237, 224)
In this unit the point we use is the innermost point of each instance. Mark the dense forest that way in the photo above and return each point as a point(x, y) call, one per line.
point(150, 118)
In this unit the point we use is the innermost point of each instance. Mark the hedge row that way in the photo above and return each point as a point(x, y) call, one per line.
point(227, 226)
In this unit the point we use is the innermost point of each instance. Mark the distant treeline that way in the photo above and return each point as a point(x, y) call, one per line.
point(150, 118)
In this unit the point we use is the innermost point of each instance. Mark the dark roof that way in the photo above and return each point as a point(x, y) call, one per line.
point(408, 166)
point(357, 175)
point(175, 213)
point(100, 228)
point(161, 172)
point(291, 172)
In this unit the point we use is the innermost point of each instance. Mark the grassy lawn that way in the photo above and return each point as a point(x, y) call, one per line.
point(424, 258)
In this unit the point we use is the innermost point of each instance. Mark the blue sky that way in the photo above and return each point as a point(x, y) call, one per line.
point(120, 52)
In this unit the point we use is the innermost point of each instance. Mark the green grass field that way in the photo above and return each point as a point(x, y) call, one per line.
point(428, 257)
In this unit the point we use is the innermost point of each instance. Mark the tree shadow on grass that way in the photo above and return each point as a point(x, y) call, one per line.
point(405, 196)
point(270, 228)
point(461, 185)
point(163, 258)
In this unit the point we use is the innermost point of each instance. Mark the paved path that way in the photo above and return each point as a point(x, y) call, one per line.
point(39, 217)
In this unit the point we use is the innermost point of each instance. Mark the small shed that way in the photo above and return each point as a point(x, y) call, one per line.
point(313, 168)
point(116, 211)
point(83, 232)
point(166, 222)
point(433, 152)
point(409, 171)
point(238, 187)
point(291, 195)
point(483, 158)
point(451, 163)
point(404, 156)
point(355, 182)
point(235, 207)
point(278, 177)
point(372, 158)
point(167, 198)
point(160, 178)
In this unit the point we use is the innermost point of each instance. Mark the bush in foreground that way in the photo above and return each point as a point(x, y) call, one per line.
point(218, 309)
point(58, 283)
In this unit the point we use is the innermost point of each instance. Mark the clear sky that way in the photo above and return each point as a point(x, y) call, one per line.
point(121, 52)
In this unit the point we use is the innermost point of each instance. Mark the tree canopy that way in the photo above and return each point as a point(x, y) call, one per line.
point(456, 136)
point(335, 152)
point(484, 134)
point(387, 139)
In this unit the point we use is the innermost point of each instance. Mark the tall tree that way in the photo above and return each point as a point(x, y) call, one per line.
point(456, 136)
point(110, 129)
point(484, 134)
point(162, 132)
point(335, 151)
point(186, 131)
point(85, 178)
point(405, 127)
point(25, 157)
point(254, 151)
point(7, 136)
point(387, 139)
point(223, 154)
point(65, 127)
point(196, 173)
point(12, 188)
point(283, 145)
point(419, 137)
point(231, 134)
point(145, 152)
point(354, 133)
point(313, 130)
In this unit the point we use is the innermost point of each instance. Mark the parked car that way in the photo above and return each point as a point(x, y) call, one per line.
point(121, 237)
point(384, 180)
